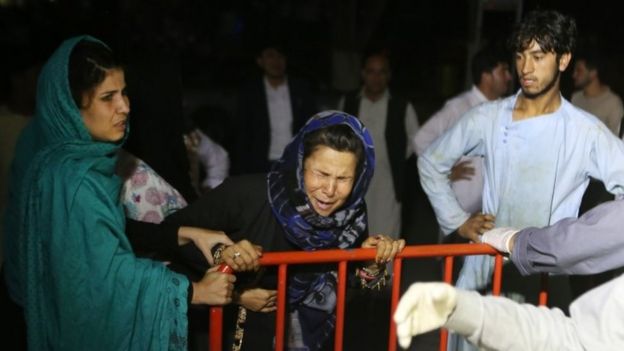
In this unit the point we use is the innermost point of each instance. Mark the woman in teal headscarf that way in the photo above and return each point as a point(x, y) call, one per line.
point(68, 261)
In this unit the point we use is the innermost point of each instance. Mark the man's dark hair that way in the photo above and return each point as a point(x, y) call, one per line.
point(377, 53)
point(553, 31)
point(485, 61)
point(274, 44)
point(593, 59)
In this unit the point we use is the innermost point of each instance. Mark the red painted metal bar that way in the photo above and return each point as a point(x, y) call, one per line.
point(215, 328)
point(498, 275)
point(335, 255)
point(216, 314)
point(543, 294)
point(280, 317)
point(394, 301)
point(343, 256)
point(448, 269)
point(340, 305)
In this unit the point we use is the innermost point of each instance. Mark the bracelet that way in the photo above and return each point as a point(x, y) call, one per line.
point(217, 253)
point(372, 278)
point(239, 332)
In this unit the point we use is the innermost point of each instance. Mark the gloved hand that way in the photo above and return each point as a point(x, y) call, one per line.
point(423, 307)
point(499, 238)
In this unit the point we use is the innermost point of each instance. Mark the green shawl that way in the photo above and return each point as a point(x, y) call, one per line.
point(68, 260)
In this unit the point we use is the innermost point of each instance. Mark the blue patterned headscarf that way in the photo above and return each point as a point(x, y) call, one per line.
point(304, 227)
point(313, 296)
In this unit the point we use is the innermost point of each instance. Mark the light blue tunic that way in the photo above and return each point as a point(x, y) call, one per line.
point(536, 170)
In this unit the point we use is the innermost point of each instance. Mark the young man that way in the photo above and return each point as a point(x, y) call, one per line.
point(539, 149)
point(491, 78)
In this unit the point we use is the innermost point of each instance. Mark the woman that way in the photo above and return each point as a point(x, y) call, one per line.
point(312, 199)
point(68, 262)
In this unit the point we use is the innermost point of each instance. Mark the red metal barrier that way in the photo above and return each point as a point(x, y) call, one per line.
point(283, 259)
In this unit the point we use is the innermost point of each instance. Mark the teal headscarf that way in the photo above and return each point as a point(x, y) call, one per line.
point(68, 261)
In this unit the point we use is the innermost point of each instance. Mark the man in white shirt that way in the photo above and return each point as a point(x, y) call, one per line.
point(539, 150)
point(392, 122)
point(593, 95)
point(491, 80)
point(271, 108)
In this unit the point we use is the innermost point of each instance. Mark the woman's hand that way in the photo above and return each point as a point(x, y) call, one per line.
point(242, 256)
point(387, 247)
point(258, 300)
point(204, 239)
point(215, 288)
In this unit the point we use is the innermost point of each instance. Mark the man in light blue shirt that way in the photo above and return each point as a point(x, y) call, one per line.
point(539, 150)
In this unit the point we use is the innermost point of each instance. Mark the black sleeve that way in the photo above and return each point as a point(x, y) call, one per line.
point(146, 238)
point(217, 210)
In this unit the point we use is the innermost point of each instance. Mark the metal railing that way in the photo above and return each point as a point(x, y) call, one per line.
point(342, 257)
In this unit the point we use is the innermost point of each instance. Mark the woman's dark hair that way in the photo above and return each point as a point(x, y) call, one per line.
point(339, 137)
point(88, 64)
point(553, 31)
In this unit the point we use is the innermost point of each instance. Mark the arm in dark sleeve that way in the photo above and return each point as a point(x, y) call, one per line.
point(216, 210)
point(150, 237)
point(590, 244)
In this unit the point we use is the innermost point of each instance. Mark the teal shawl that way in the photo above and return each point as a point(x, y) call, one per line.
point(68, 260)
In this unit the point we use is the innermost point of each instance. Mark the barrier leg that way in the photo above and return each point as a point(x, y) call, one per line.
point(448, 278)
point(340, 305)
point(543, 294)
point(281, 307)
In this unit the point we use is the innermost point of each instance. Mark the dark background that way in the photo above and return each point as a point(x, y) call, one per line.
point(215, 43)
point(428, 41)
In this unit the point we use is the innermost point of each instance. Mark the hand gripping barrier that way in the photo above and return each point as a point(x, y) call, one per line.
point(341, 257)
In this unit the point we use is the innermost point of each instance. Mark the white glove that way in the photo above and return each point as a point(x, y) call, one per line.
point(499, 238)
point(423, 307)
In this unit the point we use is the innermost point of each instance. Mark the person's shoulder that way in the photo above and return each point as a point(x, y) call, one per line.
point(579, 116)
point(251, 84)
point(613, 96)
point(83, 182)
point(300, 85)
point(576, 95)
point(296, 80)
point(488, 109)
point(460, 98)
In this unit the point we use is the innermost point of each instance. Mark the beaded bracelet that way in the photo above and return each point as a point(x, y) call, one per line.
point(371, 278)
point(240, 328)
point(217, 253)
